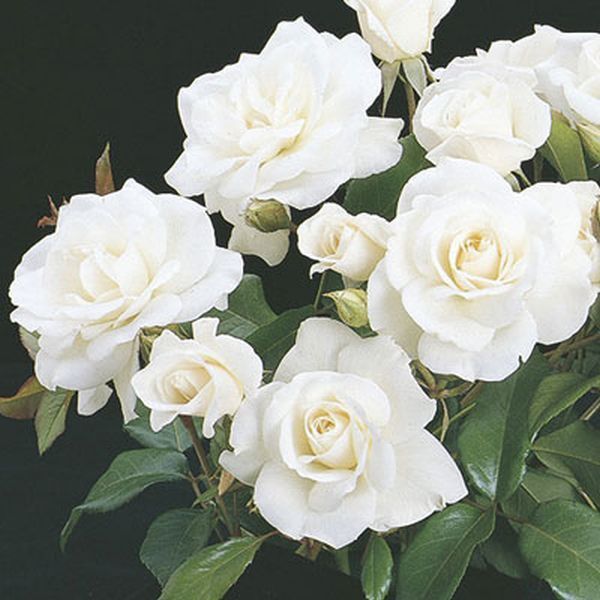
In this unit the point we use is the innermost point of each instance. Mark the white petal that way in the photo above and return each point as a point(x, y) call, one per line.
point(91, 401)
point(271, 247)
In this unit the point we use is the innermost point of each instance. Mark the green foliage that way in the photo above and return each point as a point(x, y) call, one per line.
point(209, 573)
point(494, 439)
point(555, 394)
point(173, 538)
point(24, 404)
point(379, 194)
point(561, 545)
point(171, 437)
point(51, 416)
point(247, 310)
point(437, 558)
point(273, 340)
point(563, 150)
point(577, 447)
point(376, 574)
point(501, 551)
point(128, 475)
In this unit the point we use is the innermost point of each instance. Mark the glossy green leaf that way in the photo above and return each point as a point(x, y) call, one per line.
point(379, 194)
point(436, 560)
point(555, 394)
point(51, 416)
point(536, 488)
point(247, 311)
point(173, 538)
point(208, 574)
point(577, 446)
point(128, 475)
point(173, 436)
point(24, 404)
point(563, 150)
point(376, 574)
point(494, 439)
point(501, 551)
point(561, 544)
point(273, 340)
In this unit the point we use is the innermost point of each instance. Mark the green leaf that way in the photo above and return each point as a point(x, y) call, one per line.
point(24, 404)
point(51, 416)
point(436, 560)
point(494, 439)
point(247, 311)
point(563, 150)
point(208, 574)
point(379, 194)
point(578, 448)
point(501, 551)
point(173, 538)
point(273, 340)
point(127, 476)
point(376, 575)
point(172, 437)
point(536, 488)
point(554, 395)
point(561, 545)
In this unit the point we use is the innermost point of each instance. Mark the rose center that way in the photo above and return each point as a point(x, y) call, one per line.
point(185, 384)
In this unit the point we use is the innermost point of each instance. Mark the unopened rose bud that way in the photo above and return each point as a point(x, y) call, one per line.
point(267, 216)
point(351, 305)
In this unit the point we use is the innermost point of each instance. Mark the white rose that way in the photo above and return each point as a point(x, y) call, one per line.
point(350, 245)
point(570, 79)
point(207, 376)
point(475, 274)
point(399, 29)
point(115, 264)
point(288, 124)
point(337, 444)
point(573, 209)
point(477, 116)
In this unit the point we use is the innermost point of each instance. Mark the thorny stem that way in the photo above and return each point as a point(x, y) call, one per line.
point(566, 347)
point(188, 423)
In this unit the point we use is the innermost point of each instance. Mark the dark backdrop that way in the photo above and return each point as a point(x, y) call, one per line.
point(74, 74)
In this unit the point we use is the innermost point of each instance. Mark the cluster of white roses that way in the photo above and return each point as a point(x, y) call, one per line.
point(467, 278)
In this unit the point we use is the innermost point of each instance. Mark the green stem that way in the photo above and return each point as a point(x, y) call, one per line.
point(454, 418)
point(320, 290)
point(188, 423)
point(411, 103)
point(591, 411)
point(472, 394)
point(566, 347)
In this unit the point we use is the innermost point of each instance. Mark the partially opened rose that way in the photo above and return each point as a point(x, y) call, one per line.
point(207, 376)
point(289, 124)
point(484, 117)
point(350, 245)
point(399, 29)
point(115, 264)
point(476, 274)
point(336, 444)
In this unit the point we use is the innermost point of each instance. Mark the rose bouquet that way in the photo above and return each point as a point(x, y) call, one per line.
point(434, 408)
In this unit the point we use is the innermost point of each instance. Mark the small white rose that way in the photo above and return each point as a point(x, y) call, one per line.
point(399, 29)
point(496, 121)
point(475, 274)
point(350, 245)
point(572, 228)
point(337, 443)
point(114, 265)
point(208, 376)
point(289, 124)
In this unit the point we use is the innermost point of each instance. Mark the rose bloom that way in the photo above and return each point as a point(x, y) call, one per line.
point(207, 376)
point(573, 226)
point(115, 264)
point(337, 444)
point(496, 121)
point(475, 274)
point(350, 245)
point(288, 124)
point(399, 29)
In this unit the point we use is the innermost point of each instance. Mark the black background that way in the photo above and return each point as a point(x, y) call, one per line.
point(74, 74)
